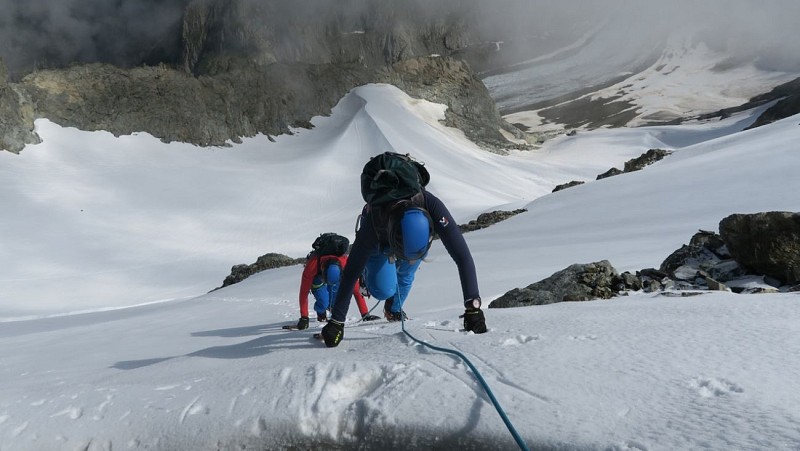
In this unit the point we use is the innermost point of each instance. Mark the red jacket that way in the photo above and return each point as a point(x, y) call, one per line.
point(312, 269)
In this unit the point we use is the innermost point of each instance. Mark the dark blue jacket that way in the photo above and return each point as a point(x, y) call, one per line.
point(367, 243)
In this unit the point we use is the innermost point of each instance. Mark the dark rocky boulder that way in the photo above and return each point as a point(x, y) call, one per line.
point(767, 243)
point(704, 264)
point(638, 163)
point(645, 159)
point(653, 280)
point(486, 219)
point(567, 185)
point(701, 252)
point(609, 173)
point(578, 282)
point(266, 261)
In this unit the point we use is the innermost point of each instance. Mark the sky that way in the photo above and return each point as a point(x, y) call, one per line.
point(109, 339)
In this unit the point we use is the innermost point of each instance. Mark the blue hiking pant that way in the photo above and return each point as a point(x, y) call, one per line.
point(386, 279)
point(324, 288)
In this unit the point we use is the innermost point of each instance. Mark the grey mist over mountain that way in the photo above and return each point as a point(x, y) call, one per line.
point(39, 34)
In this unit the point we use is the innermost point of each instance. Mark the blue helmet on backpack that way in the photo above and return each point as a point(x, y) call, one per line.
point(410, 236)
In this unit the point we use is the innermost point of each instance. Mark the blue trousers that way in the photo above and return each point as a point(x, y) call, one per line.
point(324, 288)
point(386, 279)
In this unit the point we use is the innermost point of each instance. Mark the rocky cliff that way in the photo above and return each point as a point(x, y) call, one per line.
point(252, 67)
point(16, 115)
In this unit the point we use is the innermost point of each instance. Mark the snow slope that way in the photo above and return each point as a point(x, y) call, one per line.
point(187, 214)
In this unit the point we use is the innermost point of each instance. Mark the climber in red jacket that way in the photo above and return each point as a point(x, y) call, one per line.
point(321, 277)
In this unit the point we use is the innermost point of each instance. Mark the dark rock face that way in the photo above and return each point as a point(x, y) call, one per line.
point(767, 243)
point(267, 261)
point(175, 106)
point(451, 82)
point(579, 282)
point(250, 67)
point(219, 35)
point(210, 110)
point(16, 116)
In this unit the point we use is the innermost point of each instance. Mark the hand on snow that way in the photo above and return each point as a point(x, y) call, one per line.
point(303, 323)
point(332, 333)
point(474, 320)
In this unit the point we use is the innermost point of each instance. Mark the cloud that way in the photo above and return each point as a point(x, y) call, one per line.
point(47, 33)
point(53, 33)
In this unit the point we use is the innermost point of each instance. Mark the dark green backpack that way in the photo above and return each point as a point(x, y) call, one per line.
point(392, 176)
point(331, 244)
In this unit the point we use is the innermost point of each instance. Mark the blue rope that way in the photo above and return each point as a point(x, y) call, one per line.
point(483, 383)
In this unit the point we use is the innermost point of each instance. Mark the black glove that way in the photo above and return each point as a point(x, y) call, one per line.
point(322, 317)
point(474, 320)
point(332, 333)
point(303, 323)
point(368, 317)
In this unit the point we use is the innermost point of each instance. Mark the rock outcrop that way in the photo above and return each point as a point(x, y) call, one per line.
point(564, 186)
point(16, 116)
point(767, 243)
point(634, 164)
point(754, 253)
point(579, 282)
point(487, 219)
point(213, 110)
point(266, 261)
point(638, 163)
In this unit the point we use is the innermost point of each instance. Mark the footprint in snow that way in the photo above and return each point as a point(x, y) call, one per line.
point(631, 445)
point(713, 387)
point(520, 340)
point(583, 337)
point(73, 413)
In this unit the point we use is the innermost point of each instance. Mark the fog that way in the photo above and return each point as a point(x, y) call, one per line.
point(52, 33)
point(38, 34)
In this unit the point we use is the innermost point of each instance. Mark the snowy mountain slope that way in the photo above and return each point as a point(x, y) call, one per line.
point(585, 63)
point(685, 80)
point(217, 372)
